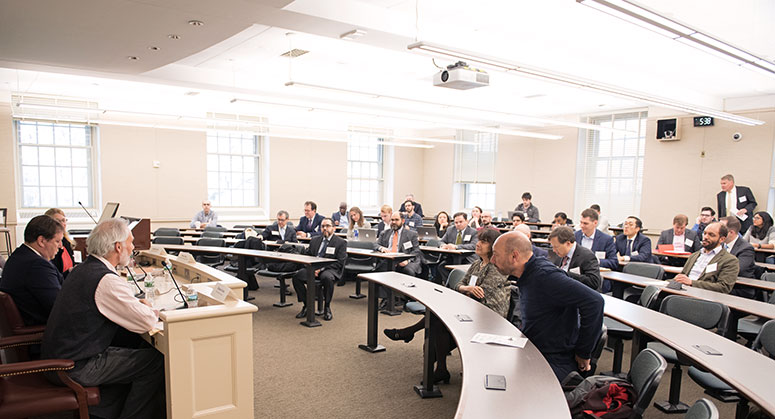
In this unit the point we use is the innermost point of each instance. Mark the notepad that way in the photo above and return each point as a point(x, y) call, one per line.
point(499, 340)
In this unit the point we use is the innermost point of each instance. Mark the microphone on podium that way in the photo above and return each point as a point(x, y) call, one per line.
point(87, 212)
point(165, 263)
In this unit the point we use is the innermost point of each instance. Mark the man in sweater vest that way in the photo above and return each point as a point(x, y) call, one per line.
point(93, 307)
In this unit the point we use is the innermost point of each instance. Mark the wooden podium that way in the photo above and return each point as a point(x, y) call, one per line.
point(141, 230)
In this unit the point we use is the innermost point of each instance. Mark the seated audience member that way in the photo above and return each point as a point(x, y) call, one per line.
point(459, 236)
point(528, 209)
point(631, 245)
point(602, 220)
point(95, 306)
point(561, 220)
point(517, 218)
point(562, 317)
point(205, 218)
point(398, 239)
point(384, 214)
point(578, 262)
point(538, 251)
point(325, 245)
point(712, 267)
point(412, 219)
point(735, 200)
point(340, 217)
point(486, 220)
point(707, 216)
point(682, 239)
point(762, 234)
point(356, 222)
point(441, 223)
point(64, 260)
point(476, 218)
point(417, 206)
point(481, 282)
point(309, 224)
point(744, 253)
point(601, 244)
point(280, 230)
point(29, 277)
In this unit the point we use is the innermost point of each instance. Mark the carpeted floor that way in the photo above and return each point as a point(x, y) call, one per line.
point(321, 373)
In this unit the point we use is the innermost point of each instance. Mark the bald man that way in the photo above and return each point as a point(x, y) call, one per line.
point(525, 229)
point(561, 316)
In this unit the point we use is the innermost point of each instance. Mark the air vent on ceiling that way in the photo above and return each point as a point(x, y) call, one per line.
point(294, 53)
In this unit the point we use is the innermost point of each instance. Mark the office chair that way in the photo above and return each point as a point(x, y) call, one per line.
point(211, 259)
point(619, 332)
point(358, 264)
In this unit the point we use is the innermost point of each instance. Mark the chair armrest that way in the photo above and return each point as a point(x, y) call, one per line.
point(28, 330)
point(20, 340)
point(34, 367)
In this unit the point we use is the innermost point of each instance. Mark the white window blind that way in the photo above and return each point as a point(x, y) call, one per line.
point(365, 179)
point(55, 164)
point(475, 168)
point(610, 169)
point(232, 169)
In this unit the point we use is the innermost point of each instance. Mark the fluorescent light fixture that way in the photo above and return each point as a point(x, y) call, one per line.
point(435, 49)
point(642, 16)
point(353, 34)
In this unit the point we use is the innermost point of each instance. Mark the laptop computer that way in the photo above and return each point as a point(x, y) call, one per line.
point(427, 232)
point(367, 234)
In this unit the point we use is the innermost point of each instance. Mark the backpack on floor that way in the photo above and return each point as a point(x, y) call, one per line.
point(600, 396)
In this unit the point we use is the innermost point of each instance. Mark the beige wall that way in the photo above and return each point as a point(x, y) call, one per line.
point(7, 172)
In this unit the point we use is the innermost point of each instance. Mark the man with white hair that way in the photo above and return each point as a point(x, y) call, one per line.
point(205, 218)
point(94, 307)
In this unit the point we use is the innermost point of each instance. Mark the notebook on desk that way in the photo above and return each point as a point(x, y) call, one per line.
point(367, 234)
point(427, 232)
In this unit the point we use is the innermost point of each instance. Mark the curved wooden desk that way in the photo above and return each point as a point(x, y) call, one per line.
point(532, 390)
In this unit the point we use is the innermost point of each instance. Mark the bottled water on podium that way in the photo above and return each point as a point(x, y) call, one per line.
point(149, 289)
point(192, 297)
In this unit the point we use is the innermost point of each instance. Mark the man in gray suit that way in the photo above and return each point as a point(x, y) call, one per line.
point(398, 239)
point(460, 236)
point(681, 238)
point(744, 253)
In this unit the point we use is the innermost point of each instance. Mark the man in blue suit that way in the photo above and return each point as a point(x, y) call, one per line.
point(631, 245)
point(309, 224)
point(601, 244)
point(280, 231)
point(29, 276)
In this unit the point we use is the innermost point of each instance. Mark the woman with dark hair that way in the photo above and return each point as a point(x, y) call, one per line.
point(64, 260)
point(441, 223)
point(476, 218)
point(481, 282)
point(356, 222)
point(762, 234)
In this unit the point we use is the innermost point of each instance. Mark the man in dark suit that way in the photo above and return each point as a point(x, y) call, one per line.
point(578, 262)
point(736, 200)
point(417, 206)
point(600, 243)
point(29, 277)
point(712, 267)
point(631, 245)
point(309, 224)
point(398, 239)
point(744, 253)
point(280, 231)
point(459, 236)
point(327, 245)
point(384, 214)
point(681, 238)
point(538, 251)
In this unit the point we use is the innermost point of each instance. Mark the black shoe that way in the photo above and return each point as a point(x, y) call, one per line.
point(303, 313)
point(320, 313)
point(340, 283)
point(398, 334)
point(328, 316)
point(439, 376)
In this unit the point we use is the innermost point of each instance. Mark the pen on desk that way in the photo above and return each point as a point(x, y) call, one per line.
point(438, 290)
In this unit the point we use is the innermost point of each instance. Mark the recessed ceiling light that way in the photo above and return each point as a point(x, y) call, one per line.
point(132, 58)
point(173, 36)
point(196, 23)
point(152, 48)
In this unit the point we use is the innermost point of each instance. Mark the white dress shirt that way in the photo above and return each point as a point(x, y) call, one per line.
point(587, 241)
point(115, 299)
point(567, 258)
point(678, 242)
point(702, 262)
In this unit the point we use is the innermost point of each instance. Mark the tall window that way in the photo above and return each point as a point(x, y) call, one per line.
point(55, 162)
point(232, 169)
point(610, 170)
point(365, 180)
point(475, 168)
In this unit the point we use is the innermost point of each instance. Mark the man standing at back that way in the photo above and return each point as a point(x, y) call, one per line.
point(29, 277)
point(93, 307)
point(736, 200)
point(309, 224)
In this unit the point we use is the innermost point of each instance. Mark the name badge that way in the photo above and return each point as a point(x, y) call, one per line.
point(600, 255)
point(710, 268)
point(407, 245)
point(742, 199)
point(467, 238)
point(472, 280)
point(634, 253)
point(575, 270)
point(688, 242)
point(411, 223)
point(330, 251)
point(77, 257)
point(275, 233)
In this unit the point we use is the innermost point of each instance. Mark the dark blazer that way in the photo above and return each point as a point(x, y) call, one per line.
point(641, 244)
point(272, 232)
point(408, 243)
point(587, 264)
point(749, 203)
point(417, 208)
point(540, 252)
point(381, 227)
point(602, 243)
point(469, 240)
point(337, 217)
point(33, 283)
point(720, 280)
point(57, 261)
point(744, 253)
point(340, 253)
point(666, 237)
point(311, 229)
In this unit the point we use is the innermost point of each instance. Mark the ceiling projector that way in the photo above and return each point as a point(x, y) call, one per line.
point(462, 77)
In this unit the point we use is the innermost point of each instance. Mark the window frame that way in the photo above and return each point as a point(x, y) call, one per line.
point(462, 182)
point(356, 139)
point(258, 167)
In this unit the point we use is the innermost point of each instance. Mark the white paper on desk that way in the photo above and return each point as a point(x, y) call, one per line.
point(499, 340)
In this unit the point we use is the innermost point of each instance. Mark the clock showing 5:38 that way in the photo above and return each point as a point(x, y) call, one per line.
point(703, 121)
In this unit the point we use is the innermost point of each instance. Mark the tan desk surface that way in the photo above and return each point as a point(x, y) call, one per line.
point(287, 257)
point(450, 251)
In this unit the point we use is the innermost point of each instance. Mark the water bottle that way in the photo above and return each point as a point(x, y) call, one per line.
point(355, 233)
point(149, 289)
point(192, 298)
